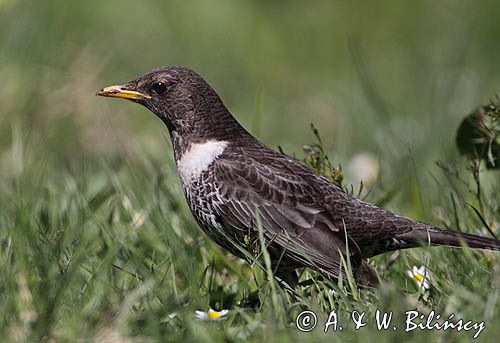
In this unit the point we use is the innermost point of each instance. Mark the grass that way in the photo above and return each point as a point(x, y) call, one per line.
point(96, 240)
point(104, 249)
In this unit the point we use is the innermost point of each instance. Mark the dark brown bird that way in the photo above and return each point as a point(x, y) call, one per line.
point(235, 184)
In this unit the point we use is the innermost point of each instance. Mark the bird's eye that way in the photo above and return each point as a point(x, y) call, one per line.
point(159, 88)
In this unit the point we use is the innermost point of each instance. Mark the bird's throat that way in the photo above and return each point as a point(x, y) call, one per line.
point(197, 158)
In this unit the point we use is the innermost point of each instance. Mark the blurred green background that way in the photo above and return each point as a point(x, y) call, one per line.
point(391, 78)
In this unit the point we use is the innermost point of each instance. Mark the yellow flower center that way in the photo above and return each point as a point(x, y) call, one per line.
point(213, 314)
point(418, 276)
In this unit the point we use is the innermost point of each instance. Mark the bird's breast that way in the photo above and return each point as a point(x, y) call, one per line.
point(202, 195)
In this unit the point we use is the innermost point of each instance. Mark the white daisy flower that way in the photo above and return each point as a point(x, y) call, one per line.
point(363, 167)
point(139, 218)
point(211, 315)
point(422, 276)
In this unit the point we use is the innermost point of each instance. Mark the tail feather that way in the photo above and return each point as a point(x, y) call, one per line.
point(437, 236)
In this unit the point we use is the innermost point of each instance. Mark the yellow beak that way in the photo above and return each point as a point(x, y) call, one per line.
point(119, 92)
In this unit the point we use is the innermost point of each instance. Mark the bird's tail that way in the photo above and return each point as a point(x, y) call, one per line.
point(429, 235)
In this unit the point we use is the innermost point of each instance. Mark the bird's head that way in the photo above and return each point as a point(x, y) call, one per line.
point(177, 95)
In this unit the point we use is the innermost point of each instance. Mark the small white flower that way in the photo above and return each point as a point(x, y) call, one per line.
point(138, 218)
point(211, 315)
point(363, 167)
point(422, 276)
point(333, 292)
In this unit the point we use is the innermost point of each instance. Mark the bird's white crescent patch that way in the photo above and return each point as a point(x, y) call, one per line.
point(197, 159)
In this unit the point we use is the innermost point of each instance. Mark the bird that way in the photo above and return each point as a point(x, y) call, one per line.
point(244, 194)
point(478, 136)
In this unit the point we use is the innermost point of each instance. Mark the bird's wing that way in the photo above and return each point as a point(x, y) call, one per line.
point(275, 192)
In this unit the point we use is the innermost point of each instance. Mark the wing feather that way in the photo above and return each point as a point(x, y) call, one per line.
point(294, 219)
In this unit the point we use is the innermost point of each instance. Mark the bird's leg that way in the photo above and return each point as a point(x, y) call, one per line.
point(287, 276)
point(367, 277)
